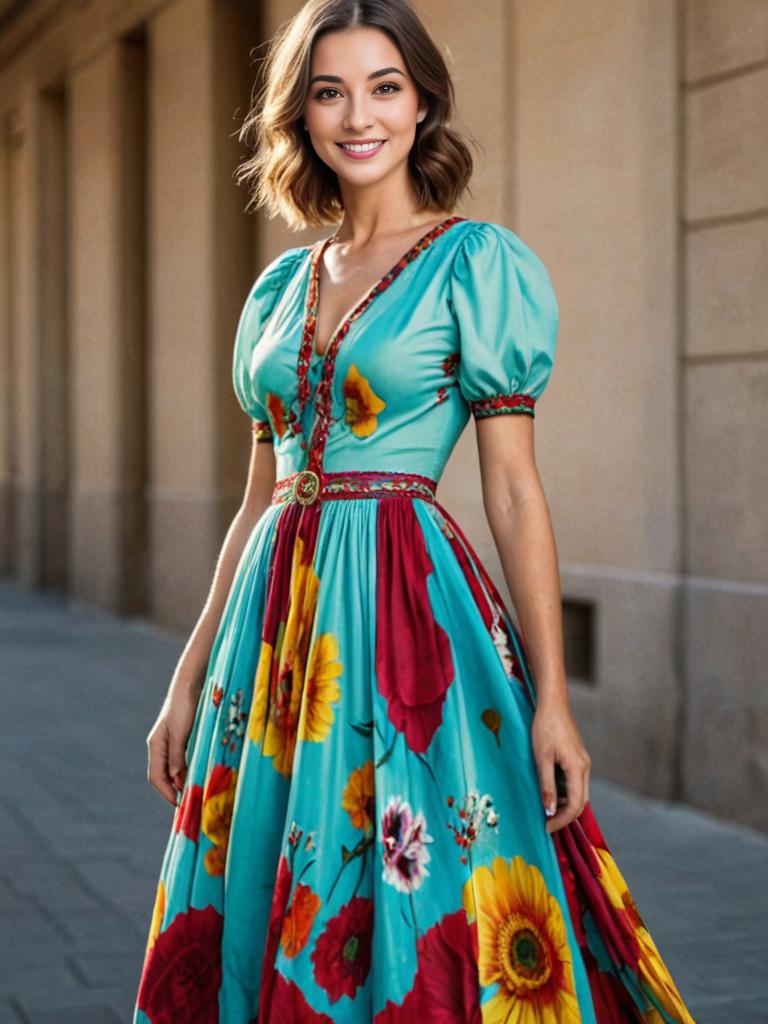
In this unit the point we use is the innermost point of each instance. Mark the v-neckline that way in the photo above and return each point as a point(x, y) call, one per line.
point(312, 302)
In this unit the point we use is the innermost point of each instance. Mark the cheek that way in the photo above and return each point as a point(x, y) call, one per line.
point(323, 121)
point(399, 118)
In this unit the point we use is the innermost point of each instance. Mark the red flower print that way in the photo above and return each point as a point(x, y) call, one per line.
point(450, 364)
point(182, 971)
point(342, 954)
point(288, 1004)
point(188, 813)
point(414, 667)
point(445, 989)
point(280, 896)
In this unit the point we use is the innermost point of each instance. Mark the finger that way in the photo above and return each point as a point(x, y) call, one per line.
point(164, 788)
point(546, 770)
point(569, 811)
point(586, 785)
point(157, 774)
point(177, 762)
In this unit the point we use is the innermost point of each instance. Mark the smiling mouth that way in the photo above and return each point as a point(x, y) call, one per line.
point(361, 148)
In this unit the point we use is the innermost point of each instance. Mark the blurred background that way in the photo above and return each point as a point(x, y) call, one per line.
point(625, 141)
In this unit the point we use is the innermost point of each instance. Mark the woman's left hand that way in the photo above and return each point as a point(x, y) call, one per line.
point(556, 739)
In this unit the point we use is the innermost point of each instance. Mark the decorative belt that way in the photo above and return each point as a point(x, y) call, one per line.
point(307, 486)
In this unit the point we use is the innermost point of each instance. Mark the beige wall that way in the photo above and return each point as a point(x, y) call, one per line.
point(625, 142)
point(725, 359)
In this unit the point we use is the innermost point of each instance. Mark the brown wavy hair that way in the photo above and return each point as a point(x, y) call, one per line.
point(285, 175)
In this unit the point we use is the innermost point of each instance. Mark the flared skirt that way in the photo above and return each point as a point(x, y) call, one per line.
point(360, 837)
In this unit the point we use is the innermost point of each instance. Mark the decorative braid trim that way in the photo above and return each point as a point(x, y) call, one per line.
point(262, 430)
point(359, 484)
point(497, 404)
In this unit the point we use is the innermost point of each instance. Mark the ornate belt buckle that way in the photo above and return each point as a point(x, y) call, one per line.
point(306, 487)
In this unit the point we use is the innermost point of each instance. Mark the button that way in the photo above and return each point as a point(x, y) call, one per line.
point(306, 487)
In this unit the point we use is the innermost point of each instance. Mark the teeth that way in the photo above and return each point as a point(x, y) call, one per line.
point(366, 147)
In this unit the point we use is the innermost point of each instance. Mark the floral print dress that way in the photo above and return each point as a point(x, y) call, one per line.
point(360, 837)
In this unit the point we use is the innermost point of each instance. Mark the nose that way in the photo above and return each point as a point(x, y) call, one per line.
point(357, 117)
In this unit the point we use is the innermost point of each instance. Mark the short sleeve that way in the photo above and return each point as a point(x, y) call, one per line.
point(507, 317)
point(258, 308)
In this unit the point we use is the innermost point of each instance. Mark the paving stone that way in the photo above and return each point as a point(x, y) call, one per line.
point(30, 928)
point(10, 1012)
point(83, 1012)
point(51, 974)
point(103, 930)
point(102, 970)
point(734, 1013)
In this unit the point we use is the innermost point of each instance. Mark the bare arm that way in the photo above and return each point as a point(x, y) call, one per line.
point(167, 739)
point(521, 526)
point(190, 671)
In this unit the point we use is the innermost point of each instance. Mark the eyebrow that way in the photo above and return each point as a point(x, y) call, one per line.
point(373, 74)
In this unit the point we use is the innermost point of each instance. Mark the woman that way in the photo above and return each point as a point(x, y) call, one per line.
point(362, 754)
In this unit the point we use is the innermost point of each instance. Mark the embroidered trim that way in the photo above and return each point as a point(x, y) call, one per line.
point(496, 404)
point(324, 392)
point(262, 430)
point(361, 484)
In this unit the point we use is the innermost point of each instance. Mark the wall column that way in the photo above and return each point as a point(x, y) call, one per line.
point(107, 326)
point(200, 249)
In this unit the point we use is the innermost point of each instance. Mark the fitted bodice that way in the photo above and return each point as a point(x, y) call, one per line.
point(463, 324)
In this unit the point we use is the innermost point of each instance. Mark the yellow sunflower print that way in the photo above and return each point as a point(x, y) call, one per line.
point(653, 974)
point(295, 687)
point(523, 946)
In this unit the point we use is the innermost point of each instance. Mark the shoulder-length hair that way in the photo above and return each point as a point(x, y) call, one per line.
point(285, 174)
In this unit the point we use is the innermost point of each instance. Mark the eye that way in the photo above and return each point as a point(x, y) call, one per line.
point(328, 88)
point(321, 94)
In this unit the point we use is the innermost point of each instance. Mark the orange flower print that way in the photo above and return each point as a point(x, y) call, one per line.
point(363, 404)
point(653, 973)
point(358, 799)
point(215, 860)
point(298, 921)
point(218, 801)
point(523, 946)
point(276, 410)
point(295, 687)
point(283, 424)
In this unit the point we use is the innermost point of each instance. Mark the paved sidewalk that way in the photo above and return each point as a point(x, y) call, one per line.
point(82, 834)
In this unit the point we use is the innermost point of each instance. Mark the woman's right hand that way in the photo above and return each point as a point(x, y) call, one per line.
point(167, 743)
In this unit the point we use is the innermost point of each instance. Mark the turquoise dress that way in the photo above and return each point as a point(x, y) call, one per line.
point(360, 837)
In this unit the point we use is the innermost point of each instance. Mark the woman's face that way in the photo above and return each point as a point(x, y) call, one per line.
point(361, 92)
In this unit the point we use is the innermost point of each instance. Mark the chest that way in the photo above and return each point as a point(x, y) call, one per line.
point(344, 283)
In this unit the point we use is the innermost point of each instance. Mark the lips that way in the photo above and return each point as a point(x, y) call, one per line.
point(364, 153)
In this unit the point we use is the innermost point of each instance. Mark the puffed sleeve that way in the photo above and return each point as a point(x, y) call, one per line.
point(507, 315)
point(258, 308)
